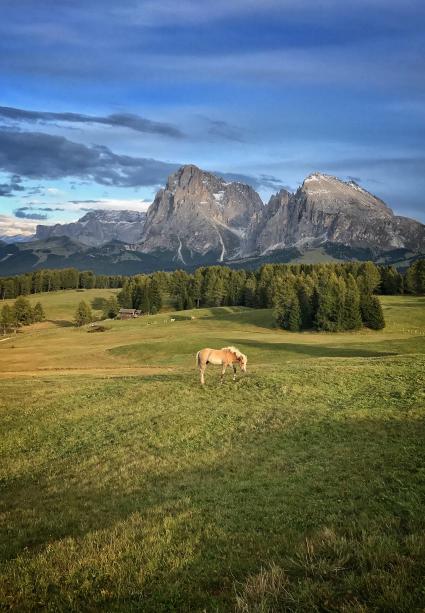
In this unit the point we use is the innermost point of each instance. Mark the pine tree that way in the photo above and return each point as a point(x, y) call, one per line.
point(23, 311)
point(330, 303)
point(155, 297)
point(38, 312)
point(83, 314)
point(125, 296)
point(112, 308)
point(415, 278)
point(250, 292)
point(352, 319)
point(305, 298)
point(370, 278)
point(8, 320)
point(145, 305)
point(294, 314)
point(371, 311)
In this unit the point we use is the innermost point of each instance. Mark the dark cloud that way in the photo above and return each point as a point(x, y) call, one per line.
point(42, 156)
point(22, 214)
point(224, 130)
point(122, 120)
point(7, 189)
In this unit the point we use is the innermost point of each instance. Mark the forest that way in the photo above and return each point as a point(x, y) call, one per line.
point(322, 297)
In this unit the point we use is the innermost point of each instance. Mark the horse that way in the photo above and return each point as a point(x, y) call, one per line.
point(226, 356)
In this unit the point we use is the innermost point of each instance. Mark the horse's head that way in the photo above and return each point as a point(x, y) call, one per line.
point(242, 359)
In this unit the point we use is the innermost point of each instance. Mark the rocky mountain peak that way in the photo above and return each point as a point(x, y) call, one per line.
point(199, 212)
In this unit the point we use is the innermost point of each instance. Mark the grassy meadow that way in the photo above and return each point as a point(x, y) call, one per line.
point(125, 486)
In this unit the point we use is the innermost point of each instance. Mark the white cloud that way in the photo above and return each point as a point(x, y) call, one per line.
point(9, 226)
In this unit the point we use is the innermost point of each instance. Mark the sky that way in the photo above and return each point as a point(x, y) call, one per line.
point(100, 101)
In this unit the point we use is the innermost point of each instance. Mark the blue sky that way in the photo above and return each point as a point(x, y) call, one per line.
point(101, 100)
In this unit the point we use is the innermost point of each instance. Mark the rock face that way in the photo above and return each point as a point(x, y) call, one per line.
point(326, 209)
point(198, 213)
point(99, 227)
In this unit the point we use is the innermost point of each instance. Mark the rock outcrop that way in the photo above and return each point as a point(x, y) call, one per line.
point(98, 227)
point(199, 213)
point(326, 209)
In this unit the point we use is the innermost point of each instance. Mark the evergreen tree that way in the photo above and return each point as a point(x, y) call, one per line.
point(23, 311)
point(415, 278)
point(352, 319)
point(294, 314)
point(371, 311)
point(83, 314)
point(250, 292)
point(112, 308)
point(391, 281)
point(145, 305)
point(8, 322)
point(125, 297)
point(330, 303)
point(87, 279)
point(370, 278)
point(38, 312)
point(155, 297)
point(305, 299)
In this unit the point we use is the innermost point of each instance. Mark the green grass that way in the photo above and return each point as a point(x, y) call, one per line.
point(300, 487)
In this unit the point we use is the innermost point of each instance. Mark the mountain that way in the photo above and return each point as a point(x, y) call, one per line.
point(199, 214)
point(326, 209)
point(16, 238)
point(99, 227)
point(199, 219)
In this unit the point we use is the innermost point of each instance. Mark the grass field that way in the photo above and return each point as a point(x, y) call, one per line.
point(125, 486)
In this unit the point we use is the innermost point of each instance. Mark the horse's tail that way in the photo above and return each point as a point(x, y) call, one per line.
point(197, 358)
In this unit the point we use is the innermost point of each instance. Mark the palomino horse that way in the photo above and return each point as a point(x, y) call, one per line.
point(224, 356)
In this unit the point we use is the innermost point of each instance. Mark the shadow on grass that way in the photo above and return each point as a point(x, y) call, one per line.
point(313, 351)
point(61, 323)
point(262, 318)
point(276, 485)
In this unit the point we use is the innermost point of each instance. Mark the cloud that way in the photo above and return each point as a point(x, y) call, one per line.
point(10, 226)
point(123, 120)
point(43, 156)
point(257, 182)
point(22, 214)
point(224, 130)
point(7, 189)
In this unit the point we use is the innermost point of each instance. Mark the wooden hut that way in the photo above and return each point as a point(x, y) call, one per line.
point(128, 313)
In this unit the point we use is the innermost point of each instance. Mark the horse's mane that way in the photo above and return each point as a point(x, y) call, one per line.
point(238, 353)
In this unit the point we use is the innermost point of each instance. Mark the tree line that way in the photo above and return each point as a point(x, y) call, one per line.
point(325, 297)
point(55, 280)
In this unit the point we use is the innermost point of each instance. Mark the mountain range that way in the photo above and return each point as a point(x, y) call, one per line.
point(199, 218)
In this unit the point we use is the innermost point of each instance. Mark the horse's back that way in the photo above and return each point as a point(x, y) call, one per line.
point(210, 356)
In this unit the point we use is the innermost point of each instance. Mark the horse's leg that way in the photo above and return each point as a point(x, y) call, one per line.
point(234, 372)
point(202, 371)
point(223, 370)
